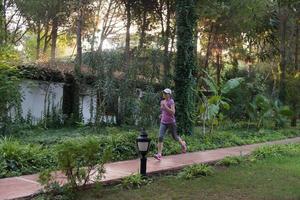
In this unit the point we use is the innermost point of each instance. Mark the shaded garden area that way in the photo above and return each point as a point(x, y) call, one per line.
point(35, 151)
point(79, 79)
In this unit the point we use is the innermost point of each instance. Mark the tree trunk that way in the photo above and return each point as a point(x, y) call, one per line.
point(77, 70)
point(143, 30)
point(38, 41)
point(219, 67)
point(196, 40)
point(78, 42)
point(208, 49)
point(4, 28)
point(283, 26)
point(185, 65)
point(294, 117)
point(46, 38)
point(127, 45)
point(53, 40)
point(297, 47)
point(2, 23)
point(95, 27)
point(172, 49)
point(166, 47)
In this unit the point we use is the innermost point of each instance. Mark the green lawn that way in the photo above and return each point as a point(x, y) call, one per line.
point(53, 136)
point(276, 178)
point(32, 151)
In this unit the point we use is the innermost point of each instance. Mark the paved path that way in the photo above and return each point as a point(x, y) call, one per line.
point(25, 186)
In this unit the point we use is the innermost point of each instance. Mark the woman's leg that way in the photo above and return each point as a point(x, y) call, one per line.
point(162, 132)
point(173, 129)
point(160, 146)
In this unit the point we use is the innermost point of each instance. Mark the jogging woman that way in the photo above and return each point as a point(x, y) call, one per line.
point(168, 122)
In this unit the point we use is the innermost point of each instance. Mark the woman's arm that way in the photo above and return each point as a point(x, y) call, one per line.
point(170, 110)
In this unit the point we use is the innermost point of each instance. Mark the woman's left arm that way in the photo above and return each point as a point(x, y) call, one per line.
point(170, 110)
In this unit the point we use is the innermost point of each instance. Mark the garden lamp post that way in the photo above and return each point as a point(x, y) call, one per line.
point(143, 144)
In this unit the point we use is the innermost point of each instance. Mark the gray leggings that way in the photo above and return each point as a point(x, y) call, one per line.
point(163, 129)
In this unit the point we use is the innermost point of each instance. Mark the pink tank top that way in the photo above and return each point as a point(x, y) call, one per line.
point(167, 118)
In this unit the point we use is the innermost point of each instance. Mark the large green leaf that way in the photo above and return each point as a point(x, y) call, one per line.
point(285, 111)
point(202, 109)
point(213, 110)
point(225, 105)
point(212, 85)
point(231, 84)
point(262, 102)
point(214, 99)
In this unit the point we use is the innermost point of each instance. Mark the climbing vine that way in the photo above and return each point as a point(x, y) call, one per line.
point(185, 69)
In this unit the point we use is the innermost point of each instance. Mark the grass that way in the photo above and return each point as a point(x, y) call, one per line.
point(53, 136)
point(121, 142)
point(270, 179)
point(249, 136)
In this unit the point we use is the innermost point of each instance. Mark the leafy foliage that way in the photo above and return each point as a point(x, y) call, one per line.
point(262, 109)
point(80, 159)
point(185, 69)
point(134, 181)
point(230, 161)
point(293, 96)
point(195, 171)
point(149, 108)
point(17, 159)
point(276, 151)
point(210, 109)
point(10, 97)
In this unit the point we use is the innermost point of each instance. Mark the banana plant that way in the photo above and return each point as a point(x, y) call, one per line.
point(259, 110)
point(262, 109)
point(211, 105)
point(280, 113)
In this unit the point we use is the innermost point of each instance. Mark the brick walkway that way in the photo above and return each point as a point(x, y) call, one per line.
point(26, 186)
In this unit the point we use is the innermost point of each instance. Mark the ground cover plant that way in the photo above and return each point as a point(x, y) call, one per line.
point(37, 150)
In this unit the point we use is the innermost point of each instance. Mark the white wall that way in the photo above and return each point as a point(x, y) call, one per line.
point(35, 100)
point(34, 92)
point(86, 103)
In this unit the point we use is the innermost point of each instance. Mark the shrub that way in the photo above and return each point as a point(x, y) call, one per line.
point(276, 151)
point(230, 161)
point(10, 97)
point(123, 146)
point(293, 96)
point(81, 160)
point(51, 186)
point(225, 139)
point(134, 181)
point(17, 158)
point(196, 170)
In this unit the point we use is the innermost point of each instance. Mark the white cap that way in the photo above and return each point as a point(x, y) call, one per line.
point(167, 91)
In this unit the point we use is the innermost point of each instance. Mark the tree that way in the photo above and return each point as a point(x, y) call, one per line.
point(11, 23)
point(55, 11)
point(166, 12)
point(283, 20)
point(145, 16)
point(110, 16)
point(35, 13)
point(128, 13)
point(2, 23)
point(10, 97)
point(185, 69)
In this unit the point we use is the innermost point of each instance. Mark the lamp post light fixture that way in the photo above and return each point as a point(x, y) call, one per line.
point(143, 144)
